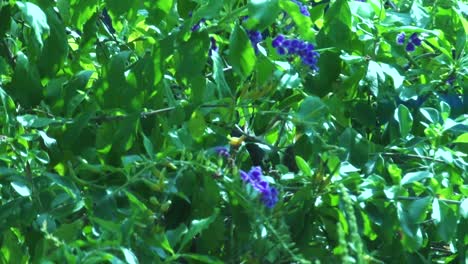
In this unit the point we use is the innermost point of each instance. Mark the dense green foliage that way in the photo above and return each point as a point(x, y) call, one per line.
point(125, 127)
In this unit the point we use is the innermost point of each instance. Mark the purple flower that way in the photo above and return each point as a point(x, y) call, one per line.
point(278, 41)
point(451, 80)
point(281, 51)
point(400, 39)
point(286, 43)
point(255, 38)
point(222, 151)
point(297, 47)
point(213, 46)
point(255, 179)
point(410, 47)
point(197, 26)
point(270, 197)
point(415, 39)
point(295, 43)
point(255, 174)
point(244, 176)
point(302, 8)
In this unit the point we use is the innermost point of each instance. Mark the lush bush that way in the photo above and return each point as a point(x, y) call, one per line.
point(224, 131)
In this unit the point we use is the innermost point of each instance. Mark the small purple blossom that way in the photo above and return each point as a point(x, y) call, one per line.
point(451, 80)
point(222, 151)
point(278, 41)
point(410, 47)
point(302, 8)
point(415, 39)
point(197, 26)
point(255, 38)
point(306, 51)
point(255, 178)
point(270, 197)
point(213, 46)
point(281, 51)
point(400, 39)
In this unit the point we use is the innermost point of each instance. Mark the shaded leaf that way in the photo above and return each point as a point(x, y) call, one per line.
point(36, 18)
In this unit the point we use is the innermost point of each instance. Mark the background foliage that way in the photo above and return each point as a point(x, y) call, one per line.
point(115, 114)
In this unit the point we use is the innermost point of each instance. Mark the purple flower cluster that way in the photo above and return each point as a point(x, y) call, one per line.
point(255, 38)
point(255, 178)
point(298, 47)
point(413, 41)
point(302, 7)
point(197, 26)
point(213, 46)
point(222, 151)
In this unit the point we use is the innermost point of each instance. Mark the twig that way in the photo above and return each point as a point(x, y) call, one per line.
point(406, 198)
point(104, 118)
point(412, 156)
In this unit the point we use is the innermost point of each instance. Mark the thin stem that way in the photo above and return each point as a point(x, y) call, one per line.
point(105, 118)
point(412, 198)
point(411, 156)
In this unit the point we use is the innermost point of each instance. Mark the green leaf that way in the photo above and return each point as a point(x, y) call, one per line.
point(120, 7)
point(12, 250)
point(208, 9)
point(393, 73)
point(197, 125)
point(336, 31)
point(34, 121)
point(21, 188)
point(222, 87)
point(148, 145)
point(362, 10)
point(431, 114)
point(241, 52)
point(118, 93)
point(419, 14)
point(347, 168)
point(202, 258)
point(445, 110)
point(417, 210)
point(5, 17)
point(55, 50)
point(198, 226)
point(303, 166)
point(405, 120)
point(35, 18)
point(464, 208)
point(158, 10)
point(312, 110)
point(195, 49)
point(463, 138)
point(48, 141)
point(375, 76)
point(445, 219)
point(26, 85)
point(395, 173)
point(130, 257)
point(8, 107)
point(262, 13)
point(164, 242)
point(355, 145)
point(302, 22)
point(415, 177)
point(413, 237)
